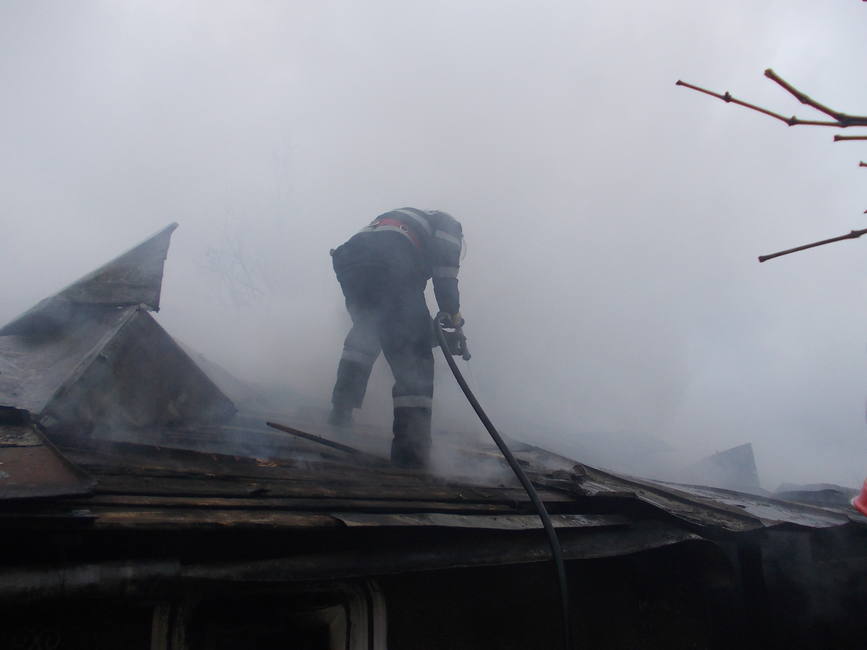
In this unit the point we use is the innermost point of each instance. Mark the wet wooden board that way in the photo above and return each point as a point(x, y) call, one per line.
point(212, 518)
point(197, 519)
point(117, 458)
point(30, 467)
point(299, 504)
point(488, 522)
point(321, 486)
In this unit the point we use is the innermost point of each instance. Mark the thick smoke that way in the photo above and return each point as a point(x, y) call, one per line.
point(615, 307)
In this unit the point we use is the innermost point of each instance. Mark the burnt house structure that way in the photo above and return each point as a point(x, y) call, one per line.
point(141, 507)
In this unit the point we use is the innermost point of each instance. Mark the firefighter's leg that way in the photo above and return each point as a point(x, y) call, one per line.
point(405, 337)
point(360, 350)
point(411, 444)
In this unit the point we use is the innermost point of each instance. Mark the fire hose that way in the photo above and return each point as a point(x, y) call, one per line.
point(553, 541)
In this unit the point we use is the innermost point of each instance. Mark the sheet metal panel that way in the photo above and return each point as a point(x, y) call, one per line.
point(108, 367)
point(34, 368)
point(139, 378)
point(133, 278)
point(713, 508)
point(768, 510)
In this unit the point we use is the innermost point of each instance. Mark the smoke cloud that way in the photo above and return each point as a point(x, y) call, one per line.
point(614, 304)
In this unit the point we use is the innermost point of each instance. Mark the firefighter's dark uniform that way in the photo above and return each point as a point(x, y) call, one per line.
point(383, 271)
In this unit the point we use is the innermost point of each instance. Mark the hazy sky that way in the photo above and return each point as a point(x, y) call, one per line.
point(613, 220)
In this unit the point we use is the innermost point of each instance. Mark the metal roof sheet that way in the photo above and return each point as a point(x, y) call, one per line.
point(133, 278)
point(34, 369)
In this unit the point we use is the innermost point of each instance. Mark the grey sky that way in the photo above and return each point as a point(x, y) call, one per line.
point(613, 220)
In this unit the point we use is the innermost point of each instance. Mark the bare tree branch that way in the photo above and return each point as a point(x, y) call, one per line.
point(727, 97)
point(854, 234)
point(841, 120)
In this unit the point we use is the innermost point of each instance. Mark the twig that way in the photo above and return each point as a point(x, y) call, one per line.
point(854, 234)
point(727, 97)
point(841, 120)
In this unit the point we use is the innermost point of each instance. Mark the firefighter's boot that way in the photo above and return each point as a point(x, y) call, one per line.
point(411, 445)
point(340, 417)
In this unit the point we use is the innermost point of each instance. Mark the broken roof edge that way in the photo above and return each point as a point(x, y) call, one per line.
point(34, 468)
point(134, 277)
point(710, 508)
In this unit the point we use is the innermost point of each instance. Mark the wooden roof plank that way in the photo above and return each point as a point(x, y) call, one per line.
point(323, 488)
point(271, 503)
point(197, 519)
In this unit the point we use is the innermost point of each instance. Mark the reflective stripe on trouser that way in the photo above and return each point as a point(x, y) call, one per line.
point(408, 352)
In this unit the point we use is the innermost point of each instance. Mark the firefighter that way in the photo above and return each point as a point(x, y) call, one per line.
point(383, 271)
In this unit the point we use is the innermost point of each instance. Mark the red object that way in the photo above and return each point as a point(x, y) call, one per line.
point(397, 224)
point(860, 502)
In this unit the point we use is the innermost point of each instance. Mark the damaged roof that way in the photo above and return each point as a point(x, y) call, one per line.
point(99, 404)
point(132, 278)
point(92, 356)
point(30, 466)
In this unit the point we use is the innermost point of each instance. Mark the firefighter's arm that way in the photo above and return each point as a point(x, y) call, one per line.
point(447, 241)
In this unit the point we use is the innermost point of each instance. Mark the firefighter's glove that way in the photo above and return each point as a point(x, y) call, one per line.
point(452, 321)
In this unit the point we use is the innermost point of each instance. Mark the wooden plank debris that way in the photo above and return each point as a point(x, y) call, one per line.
point(197, 519)
point(490, 522)
point(31, 467)
point(323, 486)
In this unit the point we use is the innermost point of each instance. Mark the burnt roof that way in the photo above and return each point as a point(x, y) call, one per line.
point(92, 358)
point(132, 278)
point(30, 466)
point(146, 441)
